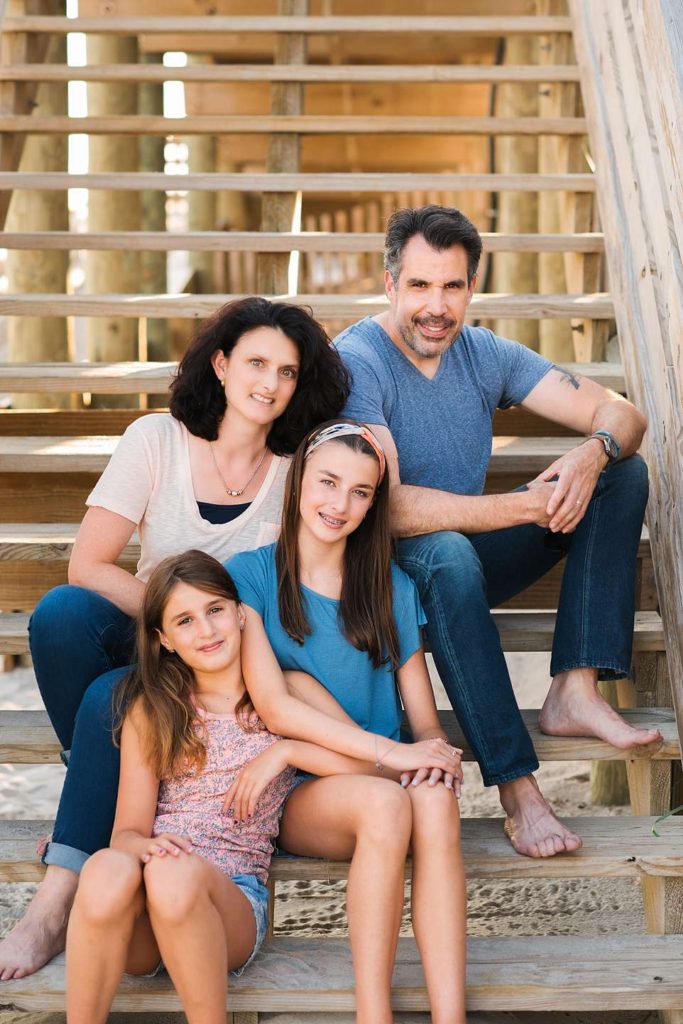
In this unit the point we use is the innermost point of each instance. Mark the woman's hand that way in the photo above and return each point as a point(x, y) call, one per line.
point(410, 757)
point(245, 792)
point(451, 780)
point(168, 843)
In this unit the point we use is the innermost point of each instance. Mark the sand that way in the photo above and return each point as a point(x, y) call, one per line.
point(575, 906)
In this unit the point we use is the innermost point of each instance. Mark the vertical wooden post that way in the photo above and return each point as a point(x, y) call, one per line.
point(655, 789)
point(555, 99)
point(517, 155)
point(201, 156)
point(153, 212)
point(112, 339)
point(38, 338)
point(277, 273)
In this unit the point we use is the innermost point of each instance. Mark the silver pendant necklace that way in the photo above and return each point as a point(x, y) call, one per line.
point(229, 490)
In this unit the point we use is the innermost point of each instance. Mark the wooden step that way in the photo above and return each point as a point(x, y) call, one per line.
point(285, 241)
point(52, 542)
point(297, 975)
point(26, 737)
point(597, 306)
point(391, 73)
point(153, 378)
point(281, 182)
point(614, 847)
point(302, 124)
point(528, 455)
point(111, 25)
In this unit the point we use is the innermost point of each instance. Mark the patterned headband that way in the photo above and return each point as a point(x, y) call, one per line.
point(345, 430)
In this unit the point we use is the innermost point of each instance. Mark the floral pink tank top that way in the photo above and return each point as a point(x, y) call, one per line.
point(192, 804)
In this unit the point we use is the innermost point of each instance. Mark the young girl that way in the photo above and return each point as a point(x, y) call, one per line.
point(183, 881)
point(336, 610)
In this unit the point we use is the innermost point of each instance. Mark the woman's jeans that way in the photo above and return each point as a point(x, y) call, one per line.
point(75, 637)
point(460, 578)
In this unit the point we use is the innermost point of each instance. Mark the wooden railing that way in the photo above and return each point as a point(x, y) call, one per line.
point(630, 54)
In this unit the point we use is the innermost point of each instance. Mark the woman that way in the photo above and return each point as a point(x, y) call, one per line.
point(336, 610)
point(210, 475)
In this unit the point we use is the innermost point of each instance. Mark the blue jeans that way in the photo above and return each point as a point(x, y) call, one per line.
point(460, 578)
point(75, 637)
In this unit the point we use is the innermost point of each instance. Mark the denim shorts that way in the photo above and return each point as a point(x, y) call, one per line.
point(258, 895)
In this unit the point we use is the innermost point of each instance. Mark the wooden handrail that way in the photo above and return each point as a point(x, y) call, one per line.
point(630, 56)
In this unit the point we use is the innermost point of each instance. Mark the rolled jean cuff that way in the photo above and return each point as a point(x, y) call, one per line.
point(65, 857)
point(516, 773)
point(606, 669)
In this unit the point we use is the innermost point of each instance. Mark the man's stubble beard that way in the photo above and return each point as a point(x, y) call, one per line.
point(411, 337)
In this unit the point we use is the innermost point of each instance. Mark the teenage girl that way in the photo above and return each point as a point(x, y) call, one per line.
point(183, 880)
point(337, 611)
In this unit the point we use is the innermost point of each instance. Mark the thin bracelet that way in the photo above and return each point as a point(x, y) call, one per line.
point(378, 760)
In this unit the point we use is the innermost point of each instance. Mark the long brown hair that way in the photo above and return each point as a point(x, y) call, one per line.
point(366, 605)
point(161, 683)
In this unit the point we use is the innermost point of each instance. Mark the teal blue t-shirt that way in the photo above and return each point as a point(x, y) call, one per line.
point(367, 694)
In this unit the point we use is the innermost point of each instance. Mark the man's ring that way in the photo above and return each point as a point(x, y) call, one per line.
point(579, 503)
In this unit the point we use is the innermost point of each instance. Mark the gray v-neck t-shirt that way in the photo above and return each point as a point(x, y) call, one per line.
point(442, 427)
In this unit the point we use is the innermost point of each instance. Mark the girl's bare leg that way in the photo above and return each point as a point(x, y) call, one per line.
point(439, 899)
point(108, 909)
point(204, 926)
point(369, 820)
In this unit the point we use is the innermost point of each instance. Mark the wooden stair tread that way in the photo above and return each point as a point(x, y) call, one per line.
point(292, 73)
point(281, 182)
point(612, 847)
point(302, 974)
point(596, 306)
point(26, 737)
point(305, 124)
point(269, 241)
point(152, 378)
point(50, 542)
point(91, 454)
point(188, 25)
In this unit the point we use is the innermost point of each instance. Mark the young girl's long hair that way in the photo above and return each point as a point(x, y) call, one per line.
point(366, 605)
point(160, 683)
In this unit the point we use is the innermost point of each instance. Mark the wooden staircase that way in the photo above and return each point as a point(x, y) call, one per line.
point(49, 458)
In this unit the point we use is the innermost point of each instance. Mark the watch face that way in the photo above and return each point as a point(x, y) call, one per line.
point(611, 447)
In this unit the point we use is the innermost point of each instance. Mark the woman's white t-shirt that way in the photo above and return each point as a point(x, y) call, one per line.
point(148, 480)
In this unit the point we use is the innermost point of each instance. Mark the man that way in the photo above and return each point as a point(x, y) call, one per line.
point(428, 386)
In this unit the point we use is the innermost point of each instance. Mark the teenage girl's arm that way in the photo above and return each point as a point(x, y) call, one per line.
point(285, 715)
point(137, 799)
point(417, 696)
point(101, 538)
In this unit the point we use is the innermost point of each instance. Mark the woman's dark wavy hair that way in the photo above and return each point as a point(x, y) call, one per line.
point(161, 684)
point(198, 400)
point(366, 606)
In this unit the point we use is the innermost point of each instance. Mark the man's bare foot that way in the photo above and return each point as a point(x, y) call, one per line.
point(41, 933)
point(531, 825)
point(575, 707)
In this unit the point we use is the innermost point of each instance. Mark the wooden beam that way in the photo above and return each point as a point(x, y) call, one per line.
point(308, 124)
point(292, 73)
point(598, 306)
point(280, 241)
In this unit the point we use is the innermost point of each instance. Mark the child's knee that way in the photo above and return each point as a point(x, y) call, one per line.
point(109, 884)
point(435, 809)
point(174, 885)
point(384, 811)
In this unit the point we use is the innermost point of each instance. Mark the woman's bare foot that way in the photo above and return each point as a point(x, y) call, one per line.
point(531, 825)
point(41, 932)
point(575, 707)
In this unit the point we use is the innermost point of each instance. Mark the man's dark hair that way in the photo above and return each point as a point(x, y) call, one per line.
point(442, 227)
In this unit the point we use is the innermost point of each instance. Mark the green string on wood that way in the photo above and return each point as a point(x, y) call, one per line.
point(663, 817)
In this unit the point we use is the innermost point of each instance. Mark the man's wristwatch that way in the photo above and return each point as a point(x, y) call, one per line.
point(609, 443)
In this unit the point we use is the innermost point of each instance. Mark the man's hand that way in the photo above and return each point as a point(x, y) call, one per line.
point(537, 498)
point(577, 473)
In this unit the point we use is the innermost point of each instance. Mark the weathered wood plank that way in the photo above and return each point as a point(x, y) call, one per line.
point(308, 124)
point(26, 737)
point(290, 182)
point(536, 307)
point(292, 73)
point(621, 847)
point(481, 26)
point(284, 241)
point(313, 974)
